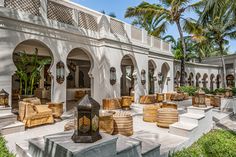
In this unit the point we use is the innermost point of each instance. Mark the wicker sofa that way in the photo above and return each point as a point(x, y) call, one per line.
point(33, 113)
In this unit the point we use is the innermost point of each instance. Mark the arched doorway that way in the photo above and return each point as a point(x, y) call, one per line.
point(212, 82)
point(127, 79)
point(198, 76)
point(218, 81)
point(165, 70)
point(230, 80)
point(190, 80)
point(205, 80)
point(151, 78)
point(33, 60)
point(79, 82)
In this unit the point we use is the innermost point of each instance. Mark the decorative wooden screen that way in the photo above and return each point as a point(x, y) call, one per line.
point(87, 21)
point(117, 27)
point(60, 13)
point(29, 6)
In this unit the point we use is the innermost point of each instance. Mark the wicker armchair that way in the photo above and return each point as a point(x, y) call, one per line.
point(33, 113)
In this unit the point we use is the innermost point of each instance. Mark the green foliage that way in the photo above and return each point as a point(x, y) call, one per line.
point(220, 90)
point(4, 152)
point(217, 143)
point(28, 70)
point(188, 89)
point(207, 91)
point(234, 91)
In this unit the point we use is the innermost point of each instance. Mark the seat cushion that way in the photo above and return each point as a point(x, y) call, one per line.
point(35, 100)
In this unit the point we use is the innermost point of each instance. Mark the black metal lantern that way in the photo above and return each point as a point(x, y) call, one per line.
point(143, 77)
point(4, 97)
point(112, 75)
point(60, 72)
point(86, 121)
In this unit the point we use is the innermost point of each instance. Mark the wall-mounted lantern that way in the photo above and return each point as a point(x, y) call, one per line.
point(86, 121)
point(143, 77)
point(4, 97)
point(160, 78)
point(60, 72)
point(112, 75)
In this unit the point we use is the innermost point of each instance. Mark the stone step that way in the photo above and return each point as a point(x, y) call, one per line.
point(198, 110)
point(126, 146)
point(7, 119)
point(191, 118)
point(5, 110)
point(183, 129)
point(36, 147)
point(13, 128)
point(150, 146)
point(22, 149)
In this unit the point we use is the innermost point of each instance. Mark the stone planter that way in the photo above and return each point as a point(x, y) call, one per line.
point(123, 124)
point(150, 113)
point(169, 105)
point(166, 117)
point(160, 97)
point(111, 104)
point(126, 102)
point(147, 99)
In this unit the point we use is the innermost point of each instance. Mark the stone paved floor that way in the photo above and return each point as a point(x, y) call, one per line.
point(228, 123)
point(167, 141)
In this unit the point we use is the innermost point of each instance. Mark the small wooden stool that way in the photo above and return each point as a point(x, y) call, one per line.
point(126, 102)
point(166, 117)
point(57, 109)
point(150, 113)
point(123, 123)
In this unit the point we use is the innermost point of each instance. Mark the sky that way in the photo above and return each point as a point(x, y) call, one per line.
point(119, 7)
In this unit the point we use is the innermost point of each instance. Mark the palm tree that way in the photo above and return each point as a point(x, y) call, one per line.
point(172, 11)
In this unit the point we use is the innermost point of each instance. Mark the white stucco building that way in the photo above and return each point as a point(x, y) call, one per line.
point(88, 47)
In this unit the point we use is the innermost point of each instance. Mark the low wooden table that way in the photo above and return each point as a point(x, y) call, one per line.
point(57, 109)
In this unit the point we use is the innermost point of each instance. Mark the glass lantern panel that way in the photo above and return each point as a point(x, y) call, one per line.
point(84, 124)
point(95, 123)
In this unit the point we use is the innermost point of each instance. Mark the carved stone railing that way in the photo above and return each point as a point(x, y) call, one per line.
point(75, 15)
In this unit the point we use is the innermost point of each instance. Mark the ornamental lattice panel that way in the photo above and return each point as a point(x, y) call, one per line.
point(29, 6)
point(117, 27)
point(166, 46)
point(60, 13)
point(87, 21)
point(156, 43)
point(136, 33)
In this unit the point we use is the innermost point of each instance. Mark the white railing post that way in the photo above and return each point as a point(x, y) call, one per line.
point(161, 45)
point(43, 8)
point(75, 17)
point(128, 30)
point(144, 36)
point(152, 41)
point(2, 3)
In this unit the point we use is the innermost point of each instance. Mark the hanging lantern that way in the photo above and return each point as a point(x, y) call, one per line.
point(143, 77)
point(86, 121)
point(60, 72)
point(199, 98)
point(160, 78)
point(4, 97)
point(112, 75)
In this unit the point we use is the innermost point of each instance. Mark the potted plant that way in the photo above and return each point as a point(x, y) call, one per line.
point(28, 71)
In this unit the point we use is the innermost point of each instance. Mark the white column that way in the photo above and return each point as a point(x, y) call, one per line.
point(77, 77)
point(2, 3)
point(43, 8)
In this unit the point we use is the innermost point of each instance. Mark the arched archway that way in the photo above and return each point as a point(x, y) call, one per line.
point(205, 80)
point(198, 76)
point(151, 76)
point(165, 71)
point(212, 82)
point(79, 81)
point(190, 80)
point(127, 78)
point(33, 60)
point(218, 81)
point(230, 80)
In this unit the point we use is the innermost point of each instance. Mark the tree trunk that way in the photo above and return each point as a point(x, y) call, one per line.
point(223, 64)
point(182, 71)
